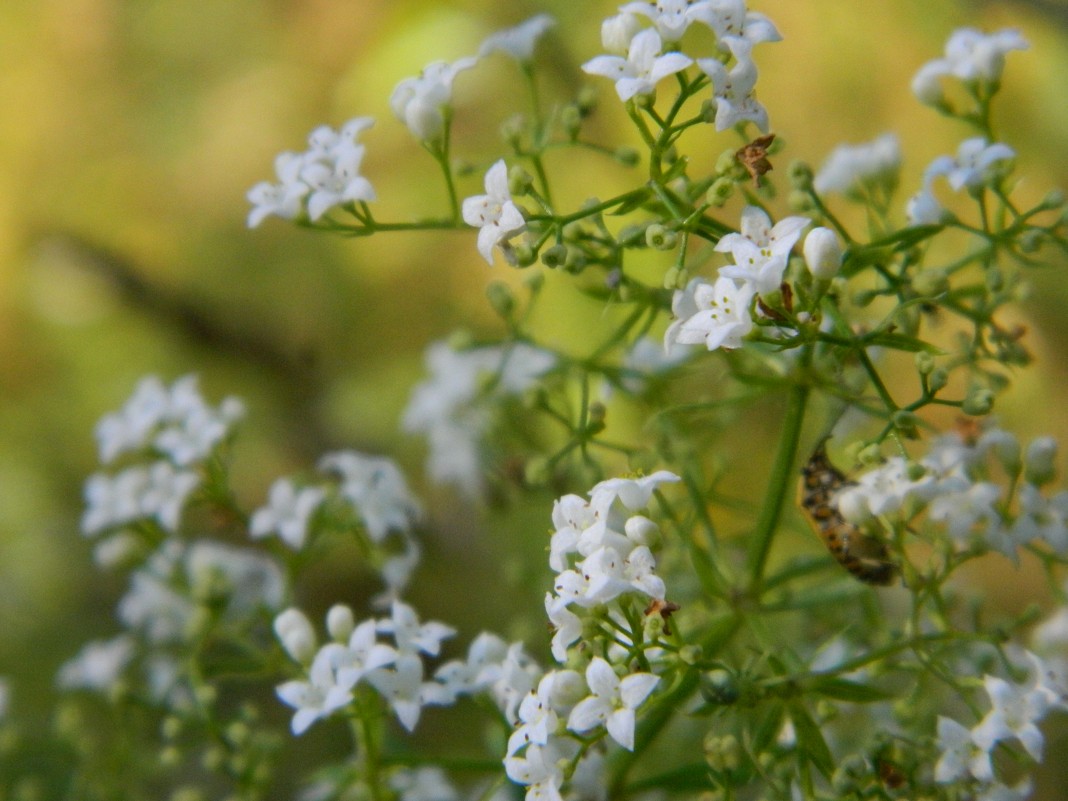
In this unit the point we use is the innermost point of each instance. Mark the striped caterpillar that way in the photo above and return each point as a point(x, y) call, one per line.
point(861, 554)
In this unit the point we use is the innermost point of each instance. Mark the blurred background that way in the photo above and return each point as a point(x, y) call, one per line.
point(130, 132)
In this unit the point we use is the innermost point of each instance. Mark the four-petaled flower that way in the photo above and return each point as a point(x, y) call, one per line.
point(612, 702)
point(494, 213)
point(760, 251)
point(642, 69)
point(720, 319)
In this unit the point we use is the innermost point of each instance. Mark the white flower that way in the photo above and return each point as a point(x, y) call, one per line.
point(401, 686)
point(851, 169)
point(612, 702)
point(760, 252)
point(971, 56)
point(153, 607)
point(287, 513)
point(672, 17)
point(1016, 711)
point(732, 20)
point(722, 318)
point(883, 490)
point(466, 676)
point(518, 42)
point(129, 428)
point(923, 208)
point(539, 769)
point(510, 680)
point(376, 489)
point(733, 89)
point(642, 69)
point(823, 253)
point(284, 199)
point(97, 666)
point(494, 213)
point(362, 654)
point(421, 102)
point(961, 755)
point(412, 636)
point(335, 183)
point(567, 626)
point(973, 167)
point(296, 634)
point(455, 406)
point(558, 691)
point(963, 509)
point(113, 500)
point(1001, 792)
point(428, 783)
point(617, 31)
point(166, 493)
point(633, 493)
point(248, 580)
point(314, 699)
point(1041, 518)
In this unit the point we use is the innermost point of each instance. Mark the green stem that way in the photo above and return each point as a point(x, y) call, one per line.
point(782, 475)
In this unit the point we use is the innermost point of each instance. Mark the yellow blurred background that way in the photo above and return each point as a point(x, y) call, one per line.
point(130, 132)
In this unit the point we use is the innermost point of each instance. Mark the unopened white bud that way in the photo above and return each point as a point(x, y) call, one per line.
point(1039, 461)
point(927, 85)
point(823, 254)
point(340, 622)
point(641, 530)
point(296, 634)
point(617, 31)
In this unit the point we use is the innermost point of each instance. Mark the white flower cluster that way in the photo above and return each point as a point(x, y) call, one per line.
point(637, 61)
point(952, 483)
point(169, 431)
point(719, 315)
point(160, 609)
point(971, 56)
point(355, 655)
point(1016, 710)
point(602, 550)
point(325, 175)
point(377, 493)
point(174, 422)
point(857, 170)
point(978, 164)
point(454, 407)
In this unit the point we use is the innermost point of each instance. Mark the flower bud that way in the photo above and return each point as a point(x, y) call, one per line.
point(800, 202)
point(720, 191)
point(519, 180)
point(627, 156)
point(978, 402)
point(617, 31)
point(929, 283)
point(642, 531)
point(524, 254)
point(571, 119)
point(1038, 461)
point(512, 129)
point(500, 298)
point(800, 173)
point(823, 254)
point(555, 256)
point(658, 237)
point(340, 622)
point(1006, 449)
point(924, 363)
point(927, 87)
point(905, 422)
point(938, 379)
point(727, 162)
point(296, 634)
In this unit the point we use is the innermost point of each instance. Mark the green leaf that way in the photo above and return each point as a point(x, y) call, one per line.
point(846, 690)
point(767, 728)
point(907, 237)
point(629, 205)
point(903, 342)
point(810, 740)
